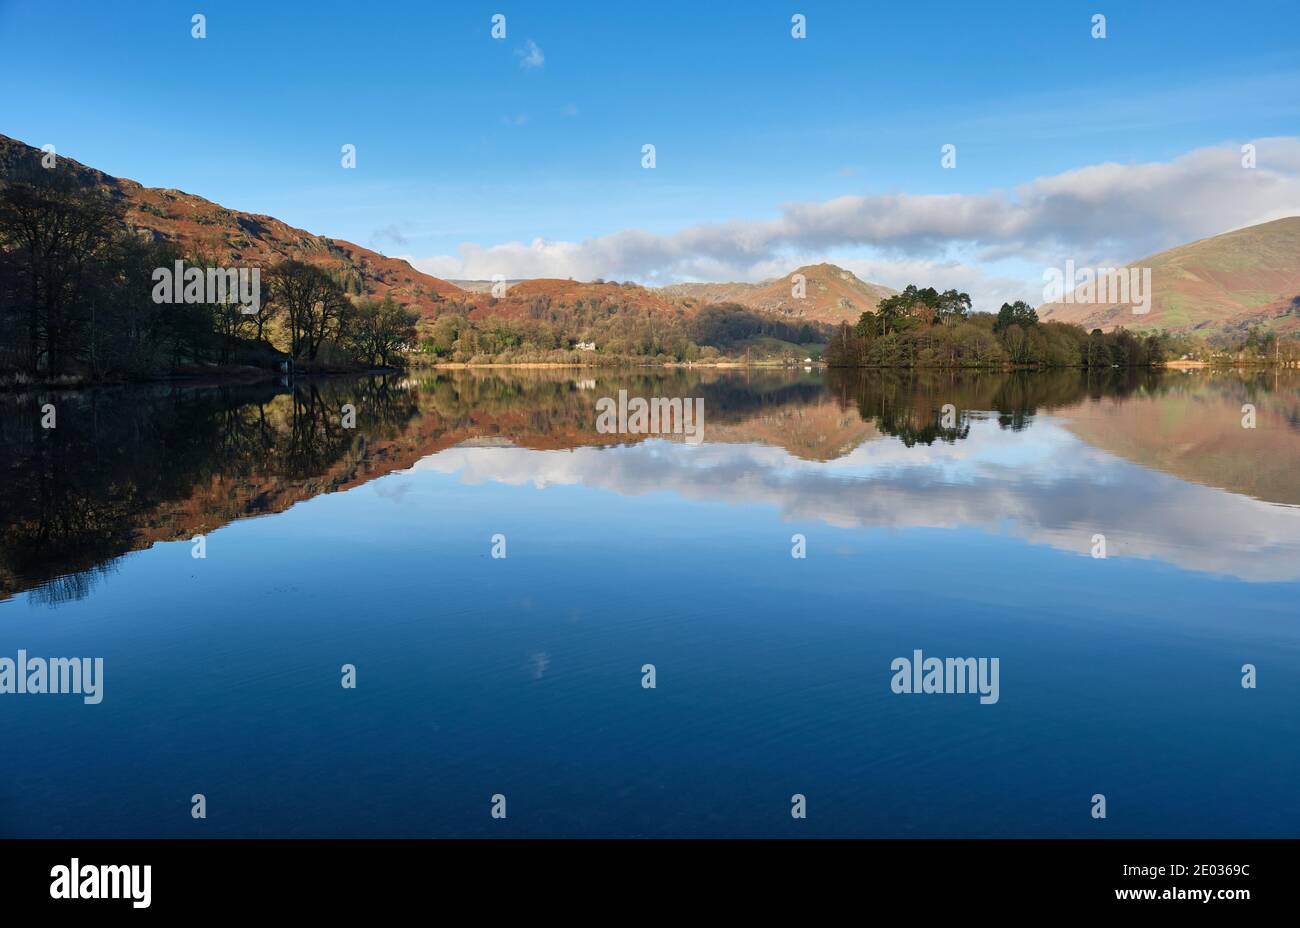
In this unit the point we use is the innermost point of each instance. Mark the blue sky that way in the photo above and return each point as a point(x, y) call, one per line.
point(469, 151)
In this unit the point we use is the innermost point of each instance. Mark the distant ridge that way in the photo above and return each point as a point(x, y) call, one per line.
point(831, 294)
point(1222, 285)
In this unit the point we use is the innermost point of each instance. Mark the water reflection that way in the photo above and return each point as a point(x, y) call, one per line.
point(1160, 462)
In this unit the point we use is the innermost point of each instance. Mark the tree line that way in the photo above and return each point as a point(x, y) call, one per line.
point(77, 299)
point(922, 327)
point(547, 330)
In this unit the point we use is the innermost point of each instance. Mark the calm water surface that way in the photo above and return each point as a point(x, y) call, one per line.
point(522, 676)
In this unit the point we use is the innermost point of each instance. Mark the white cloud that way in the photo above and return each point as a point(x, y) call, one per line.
point(1104, 212)
point(1043, 485)
point(530, 56)
point(987, 290)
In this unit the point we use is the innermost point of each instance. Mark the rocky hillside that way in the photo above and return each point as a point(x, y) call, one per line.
point(831, 294)
point(233, 238)
point(534, 297)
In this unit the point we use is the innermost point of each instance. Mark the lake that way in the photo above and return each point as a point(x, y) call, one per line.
point(499, 572)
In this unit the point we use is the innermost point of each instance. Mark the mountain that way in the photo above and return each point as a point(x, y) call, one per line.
point(1221, 285)
point(831, 294)
point(233, 238)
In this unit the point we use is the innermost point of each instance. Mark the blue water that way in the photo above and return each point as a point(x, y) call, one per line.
point(522, 675)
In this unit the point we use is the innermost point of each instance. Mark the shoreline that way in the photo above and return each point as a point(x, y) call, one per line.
point(248, 375)
point(237, 376)
point(621, 365)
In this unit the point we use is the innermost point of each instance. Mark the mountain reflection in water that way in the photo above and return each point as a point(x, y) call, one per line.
point(1158, 461)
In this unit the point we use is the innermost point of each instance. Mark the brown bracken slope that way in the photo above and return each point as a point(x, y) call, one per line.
point(232, 238)
point(831, 294)
point(1221, 285)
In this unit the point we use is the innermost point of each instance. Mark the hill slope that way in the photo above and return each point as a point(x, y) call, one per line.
point(233, 238)
point(535, 296)
point(1216, 286)
point(832, 294)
